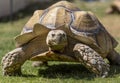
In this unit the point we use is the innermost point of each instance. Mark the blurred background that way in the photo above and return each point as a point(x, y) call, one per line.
point(15, 13)
point(14, 9)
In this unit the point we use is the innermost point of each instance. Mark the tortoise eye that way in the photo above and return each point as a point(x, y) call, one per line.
point(63, 35)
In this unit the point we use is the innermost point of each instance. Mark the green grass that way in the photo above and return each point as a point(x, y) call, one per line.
point(59, 72)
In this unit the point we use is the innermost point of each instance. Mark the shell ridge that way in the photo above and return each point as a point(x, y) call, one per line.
point(94, 31)
point(65, 8)
point(43, 15)
point(47, 10)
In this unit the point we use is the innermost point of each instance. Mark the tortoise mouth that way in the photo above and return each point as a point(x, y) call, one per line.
point(57, 47)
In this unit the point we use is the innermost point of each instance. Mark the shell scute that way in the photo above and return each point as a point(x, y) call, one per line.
point(56, 17)
point(65, 4)
point(90, 31)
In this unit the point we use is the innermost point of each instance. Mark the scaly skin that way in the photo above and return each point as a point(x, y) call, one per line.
point(91, 60)
point(114, 57)
point(12, 61)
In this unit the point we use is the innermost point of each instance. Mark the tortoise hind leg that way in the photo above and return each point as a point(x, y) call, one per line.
point(12, 61)
point(114, 57)
point(91, 60)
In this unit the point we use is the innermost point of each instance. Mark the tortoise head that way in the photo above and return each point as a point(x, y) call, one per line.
point(56, 40)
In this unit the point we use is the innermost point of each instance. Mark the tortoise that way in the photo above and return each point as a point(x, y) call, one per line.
point(114, 7)
point(63, 32)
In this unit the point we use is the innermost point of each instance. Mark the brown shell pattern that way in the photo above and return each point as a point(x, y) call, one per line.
point(83, 25)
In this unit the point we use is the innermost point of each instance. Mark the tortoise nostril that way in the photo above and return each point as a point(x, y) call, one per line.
point(53, 35)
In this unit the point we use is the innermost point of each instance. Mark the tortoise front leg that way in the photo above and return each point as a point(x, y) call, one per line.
point(12, 61)
point(91, 60)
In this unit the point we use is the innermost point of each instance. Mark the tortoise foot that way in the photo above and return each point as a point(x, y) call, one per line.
point(16, 72)
point(11, 62)
point(91, 60)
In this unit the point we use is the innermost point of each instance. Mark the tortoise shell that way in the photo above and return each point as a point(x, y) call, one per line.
point(114, 7)
point(116, 3)
point(81, 25)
